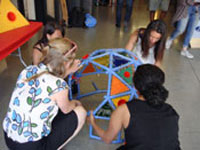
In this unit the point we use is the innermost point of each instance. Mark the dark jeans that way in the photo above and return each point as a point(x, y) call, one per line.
point(63, 127)
point(129, 7)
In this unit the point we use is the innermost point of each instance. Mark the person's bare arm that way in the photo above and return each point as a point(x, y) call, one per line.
point(158, 63)
point(75, 47)
point(36, 55)
point(65, 105)
point(117, 121)
point(132, 41)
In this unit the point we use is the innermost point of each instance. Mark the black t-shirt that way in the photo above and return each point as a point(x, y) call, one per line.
point(41, 46)
point(151, 128)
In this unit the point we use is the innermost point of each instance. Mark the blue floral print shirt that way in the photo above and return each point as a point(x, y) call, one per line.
point(31, 109)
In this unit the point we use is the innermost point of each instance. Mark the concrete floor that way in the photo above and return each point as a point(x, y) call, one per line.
point(182, 75)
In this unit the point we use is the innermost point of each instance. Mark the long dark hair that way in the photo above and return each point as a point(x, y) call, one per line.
point(148, 80)
point(160, 27)
point(50, 28)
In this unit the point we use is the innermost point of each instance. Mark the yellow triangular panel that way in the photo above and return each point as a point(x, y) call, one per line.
point(120, 100)
point(103, 60)
point(117, 86)
point(10, 17)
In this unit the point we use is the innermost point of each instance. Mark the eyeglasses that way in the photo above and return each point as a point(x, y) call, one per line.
point(73, 49)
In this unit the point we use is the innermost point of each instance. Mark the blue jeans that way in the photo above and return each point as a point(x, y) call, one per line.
point(186, 24)
point(129, 7)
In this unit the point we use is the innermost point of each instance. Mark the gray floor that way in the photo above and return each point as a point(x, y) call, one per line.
point(182, 75)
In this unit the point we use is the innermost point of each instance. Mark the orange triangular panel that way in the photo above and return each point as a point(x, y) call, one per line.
point(89, 68)
point(117, 86)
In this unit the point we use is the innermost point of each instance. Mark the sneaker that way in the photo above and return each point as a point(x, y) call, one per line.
point(125, 24)
point(168, 44)
point(187, 54)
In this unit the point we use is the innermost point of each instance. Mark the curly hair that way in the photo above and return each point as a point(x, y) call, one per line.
point(148, 80)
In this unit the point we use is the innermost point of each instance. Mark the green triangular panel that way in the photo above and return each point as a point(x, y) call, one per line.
point(126, 74)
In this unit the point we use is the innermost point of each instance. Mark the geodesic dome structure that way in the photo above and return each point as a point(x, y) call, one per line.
point(119, 65)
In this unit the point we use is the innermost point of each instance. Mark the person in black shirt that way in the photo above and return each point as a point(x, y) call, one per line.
point(149, 123)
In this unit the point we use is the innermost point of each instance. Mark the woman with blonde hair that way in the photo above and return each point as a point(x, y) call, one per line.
point(40, 115)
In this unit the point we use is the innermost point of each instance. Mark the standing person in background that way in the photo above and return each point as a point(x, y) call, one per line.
point(129, 7)
point(40, 115)
point(148, 122)
point(149, 44)
point(184, 20)
point(154, 5)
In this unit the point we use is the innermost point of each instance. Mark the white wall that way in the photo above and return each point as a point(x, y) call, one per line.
point(50, 8)
point(29, 8)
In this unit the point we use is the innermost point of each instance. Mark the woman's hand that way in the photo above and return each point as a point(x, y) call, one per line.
point(75, 66)
point(72, 66)
point(77, 103)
